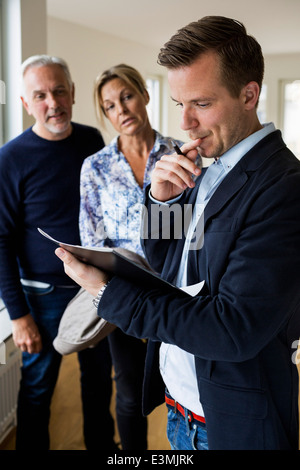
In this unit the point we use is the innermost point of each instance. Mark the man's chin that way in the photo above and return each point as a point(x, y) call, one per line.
point(59, 129)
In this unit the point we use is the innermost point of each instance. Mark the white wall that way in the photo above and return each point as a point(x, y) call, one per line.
point(278, 68)
point(90, 52)
point(28, 30)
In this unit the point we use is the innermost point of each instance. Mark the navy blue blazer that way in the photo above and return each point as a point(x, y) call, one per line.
point(243, 325)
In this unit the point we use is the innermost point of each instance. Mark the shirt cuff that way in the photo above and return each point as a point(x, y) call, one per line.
point(166, 203)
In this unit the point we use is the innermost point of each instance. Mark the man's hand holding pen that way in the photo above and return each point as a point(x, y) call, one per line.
point(174, 173)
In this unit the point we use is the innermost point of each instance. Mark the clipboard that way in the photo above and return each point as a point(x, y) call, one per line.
point(118, 261)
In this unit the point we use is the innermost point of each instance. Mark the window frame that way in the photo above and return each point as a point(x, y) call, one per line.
point(282, 112)
point(155, 114)
point(2, 83)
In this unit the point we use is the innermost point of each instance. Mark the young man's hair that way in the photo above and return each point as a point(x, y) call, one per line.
point(240, 55)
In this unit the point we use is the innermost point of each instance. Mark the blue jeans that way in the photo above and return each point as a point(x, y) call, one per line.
point(40, 372)
point(184, 434)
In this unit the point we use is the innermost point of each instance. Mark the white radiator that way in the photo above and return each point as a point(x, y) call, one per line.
point(10, 374)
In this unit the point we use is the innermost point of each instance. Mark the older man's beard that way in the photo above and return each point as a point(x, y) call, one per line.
point(59, 126)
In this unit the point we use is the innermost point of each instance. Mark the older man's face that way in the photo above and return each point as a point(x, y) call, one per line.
point(49, 99)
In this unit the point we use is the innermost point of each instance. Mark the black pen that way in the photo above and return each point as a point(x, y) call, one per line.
point(176, 148)
point(179, 152)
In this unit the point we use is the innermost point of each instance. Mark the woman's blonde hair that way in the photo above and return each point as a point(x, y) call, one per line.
point(124, 72)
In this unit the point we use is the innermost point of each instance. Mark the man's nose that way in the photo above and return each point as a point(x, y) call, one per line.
point(52, 100)
point(188, 120)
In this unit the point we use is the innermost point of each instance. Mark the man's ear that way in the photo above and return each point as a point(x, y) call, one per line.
point(26, 106)
point(73, 93)
point(250, 95)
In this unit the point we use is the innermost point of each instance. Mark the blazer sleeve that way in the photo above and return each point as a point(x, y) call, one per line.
point(258, 291)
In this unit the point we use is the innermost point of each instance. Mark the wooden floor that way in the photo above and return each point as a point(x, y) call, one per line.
point(66, 415)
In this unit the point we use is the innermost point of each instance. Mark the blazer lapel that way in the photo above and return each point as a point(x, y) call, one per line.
point(239, 175)
point(231, 184)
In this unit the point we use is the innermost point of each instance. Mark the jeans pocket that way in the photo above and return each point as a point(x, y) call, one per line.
point(173, 424)
point(199, 437)
point(36, 291)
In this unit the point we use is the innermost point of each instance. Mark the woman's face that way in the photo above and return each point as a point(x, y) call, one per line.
point(124, 107)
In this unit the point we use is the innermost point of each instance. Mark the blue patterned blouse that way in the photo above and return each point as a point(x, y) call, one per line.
point(111, 199)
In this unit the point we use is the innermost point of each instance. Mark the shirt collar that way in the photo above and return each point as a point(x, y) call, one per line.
point(233, 155)
point(161, 144)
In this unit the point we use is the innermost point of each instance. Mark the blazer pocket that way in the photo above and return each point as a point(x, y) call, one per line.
point(226, 224)
point(233, 401)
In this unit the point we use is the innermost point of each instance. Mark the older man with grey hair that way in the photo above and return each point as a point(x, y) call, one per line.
point(40, 173)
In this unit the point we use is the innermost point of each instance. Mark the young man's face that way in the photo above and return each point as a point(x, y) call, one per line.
point(49, 99)
point(208, 110)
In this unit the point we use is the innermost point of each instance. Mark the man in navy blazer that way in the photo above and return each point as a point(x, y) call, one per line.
point(227, 354)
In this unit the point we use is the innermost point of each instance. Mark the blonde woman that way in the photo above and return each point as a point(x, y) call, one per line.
point(112, 191)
